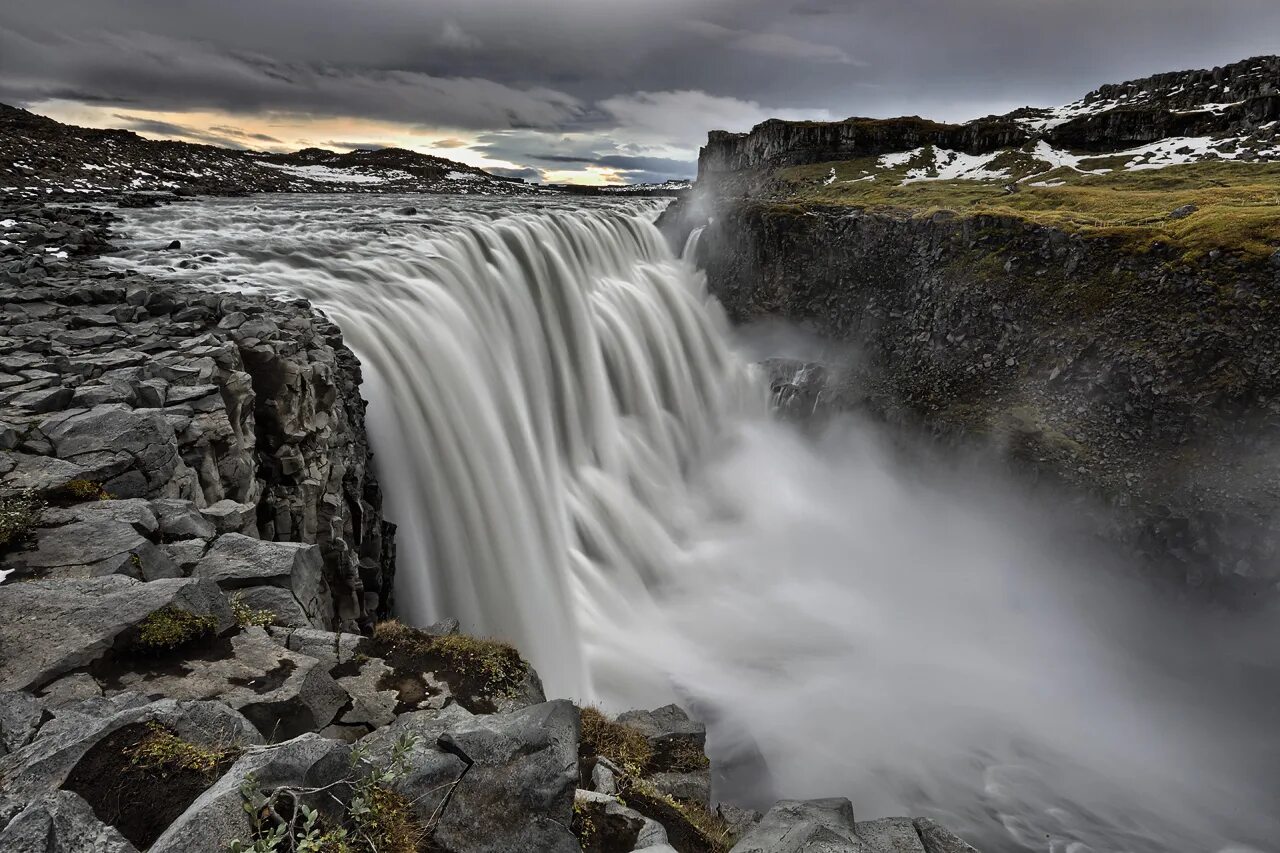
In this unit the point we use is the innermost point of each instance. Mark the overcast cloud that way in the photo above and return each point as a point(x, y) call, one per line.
point(584, 88)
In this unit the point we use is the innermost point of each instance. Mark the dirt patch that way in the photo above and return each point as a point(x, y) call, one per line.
point(140, 779)
point(479, 672)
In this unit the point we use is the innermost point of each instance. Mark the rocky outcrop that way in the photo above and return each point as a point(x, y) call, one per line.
point(238, 418)
point(1240, 100)
point(1145, 380)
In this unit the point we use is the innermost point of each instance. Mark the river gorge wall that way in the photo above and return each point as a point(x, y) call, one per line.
point(1146, 382)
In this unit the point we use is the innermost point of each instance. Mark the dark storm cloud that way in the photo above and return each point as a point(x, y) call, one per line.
point(168, 128)
point(656, 74)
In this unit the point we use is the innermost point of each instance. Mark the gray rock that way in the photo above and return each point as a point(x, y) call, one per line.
point(695, 786)
point(938, 839)
point(1183, 212)
point(132, 511)
point(44, 400)
point(517, 793)
point(805, 826)
point(181, 519)
point(218, 817)
point(44, 764)
point(281, 692)
point(649, 833)
point(185, 554)
point(432, 773)
point(93, 548)
point(281, 603)
point(70, 689)
point(110, 436)
point(891, 835)
point(227, 516)
point(669, 730)
point(325, 646)
point(53, 627)
point(28, 472)
point(20, 714)
point(61, 822)
point(237, 561)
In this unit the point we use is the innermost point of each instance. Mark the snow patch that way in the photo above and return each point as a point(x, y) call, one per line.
point(325, 174)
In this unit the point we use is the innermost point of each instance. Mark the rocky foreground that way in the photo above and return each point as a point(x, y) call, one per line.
point(196, 652)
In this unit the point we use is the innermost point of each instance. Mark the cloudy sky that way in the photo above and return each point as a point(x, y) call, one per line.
point(582, 90)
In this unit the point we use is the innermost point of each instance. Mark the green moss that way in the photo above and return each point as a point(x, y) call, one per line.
point(86, 490)
point(171, 627)
point(1238, 204)
point(621, 744)
point(491, 668)
point(18, 515)
point(162, 752)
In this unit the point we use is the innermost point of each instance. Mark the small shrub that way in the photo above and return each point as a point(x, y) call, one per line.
point(247, 617)
point(621, 744)
point(170, 627)
point(18, 515)
point(162, 752)
point(86, 490)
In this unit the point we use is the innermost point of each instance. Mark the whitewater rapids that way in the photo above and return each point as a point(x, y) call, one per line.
point(581, 461)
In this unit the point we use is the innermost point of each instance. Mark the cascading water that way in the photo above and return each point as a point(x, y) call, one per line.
point(580, 462)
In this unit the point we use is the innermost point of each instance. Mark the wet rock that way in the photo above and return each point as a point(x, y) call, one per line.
point(891, 835)
point(670, 732)
point(938, 839)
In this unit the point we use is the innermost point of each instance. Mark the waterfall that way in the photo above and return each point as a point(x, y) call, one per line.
point(539, 385)
point(581, 464)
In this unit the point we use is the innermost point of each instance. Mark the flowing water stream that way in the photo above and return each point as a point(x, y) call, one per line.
point(581, 460)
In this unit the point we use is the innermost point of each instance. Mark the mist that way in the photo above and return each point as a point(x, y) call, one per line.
point(904, 625)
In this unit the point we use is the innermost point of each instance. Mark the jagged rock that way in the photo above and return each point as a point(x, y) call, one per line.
point(281, 692)
point(25, 472)
point(132, 511)
point(186, 554)
point(694, 786)
point(670, 732)
point(218, 817)
point(281, 603)
point(805, 826)
point(891, 835)
point(181, 519)
point(616, 827)
point(93, 548)
point(237, 561)
point(46, 762)
point(20, 715)
point(131, 453)
point(517, 793)
point(325, 646)
point(432, 771)
point(938, 839)
point(56, 626)
point(61, 822)
point(227, 516)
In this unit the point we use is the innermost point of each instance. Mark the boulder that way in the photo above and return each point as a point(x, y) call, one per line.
point(113, 442)
point(61, 822)
point(56, 626)
point(46, 763)
point(432, 772)
point(132, 511)
point(517, 793)
point(93, 548)
point(236, 561)
point(673, 736)
point(227, 516)
point(616, 827)
point(20, 718)
point(805, 826)
point(179, 519)
point(218, 816)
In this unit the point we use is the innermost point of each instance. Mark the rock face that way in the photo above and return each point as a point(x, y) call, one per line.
point(1077, 359)
point(238, 417)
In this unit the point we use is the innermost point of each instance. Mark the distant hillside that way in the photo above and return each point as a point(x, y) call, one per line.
point(1226, 114)
point(43, 158)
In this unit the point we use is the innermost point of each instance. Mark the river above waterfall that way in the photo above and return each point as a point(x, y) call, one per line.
point(581, 461)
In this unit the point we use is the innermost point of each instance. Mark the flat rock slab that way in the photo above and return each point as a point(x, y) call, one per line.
point(806, 826)
point(281, 692)
point(53, 627)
